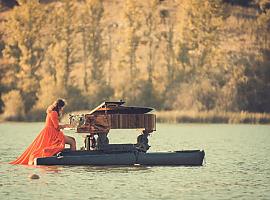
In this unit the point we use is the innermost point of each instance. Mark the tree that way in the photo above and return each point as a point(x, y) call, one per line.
point(83, 30)
point(61, 48)
point(148, 95)
point(197, 48)
point(23, 48)
point(95, 15)
point(14, 106)
point(95, 52)
point(257, 89)
point(133, 16)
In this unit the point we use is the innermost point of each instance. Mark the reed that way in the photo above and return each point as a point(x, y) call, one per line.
point(212, 117)
point(177, 117)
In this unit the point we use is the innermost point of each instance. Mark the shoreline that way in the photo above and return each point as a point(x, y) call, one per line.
point(175, 117)
point(212, 117)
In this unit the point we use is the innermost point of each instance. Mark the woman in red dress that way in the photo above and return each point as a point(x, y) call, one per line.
point(50, 140)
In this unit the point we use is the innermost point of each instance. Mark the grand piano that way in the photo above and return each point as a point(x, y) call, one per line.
point(114, 115)
point(97, 150)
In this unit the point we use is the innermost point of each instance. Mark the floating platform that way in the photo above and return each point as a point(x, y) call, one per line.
point(114, 115)
point(101, 158)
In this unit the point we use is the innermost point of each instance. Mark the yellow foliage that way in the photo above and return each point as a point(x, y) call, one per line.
point(14, 107)
point(188, 54)
point(47, 94)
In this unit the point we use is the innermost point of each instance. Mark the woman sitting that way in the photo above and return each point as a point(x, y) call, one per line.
point(50, 140)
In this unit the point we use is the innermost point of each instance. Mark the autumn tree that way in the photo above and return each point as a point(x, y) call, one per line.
point(93, 27)
point(171, 78)
point(83, 29)
point(257, 89)
point(133, 16)
point(23, 48)
point(14, 107)
point(151, 36)
point(197, 51)
point(61, 55)
point(62, 48)
point(95, 11)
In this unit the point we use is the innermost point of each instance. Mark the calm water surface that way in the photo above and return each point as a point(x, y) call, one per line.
point(237, 166)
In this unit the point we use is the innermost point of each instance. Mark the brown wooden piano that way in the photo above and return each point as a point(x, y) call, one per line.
point(114, 115)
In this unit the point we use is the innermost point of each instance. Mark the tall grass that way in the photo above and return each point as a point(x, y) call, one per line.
point(212, 117)
point(176, 117)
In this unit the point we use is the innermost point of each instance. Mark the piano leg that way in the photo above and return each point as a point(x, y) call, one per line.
point(102, 139)
point(90, 142)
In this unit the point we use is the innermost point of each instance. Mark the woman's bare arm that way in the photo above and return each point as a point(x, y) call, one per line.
point(62, 126)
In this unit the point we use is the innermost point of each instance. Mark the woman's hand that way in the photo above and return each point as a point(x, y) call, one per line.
point(69, 126)
point(66, 126)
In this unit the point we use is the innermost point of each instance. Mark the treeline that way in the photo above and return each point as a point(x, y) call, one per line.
point(172, 55)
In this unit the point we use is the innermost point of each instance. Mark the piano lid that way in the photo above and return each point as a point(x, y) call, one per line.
point(117, 107)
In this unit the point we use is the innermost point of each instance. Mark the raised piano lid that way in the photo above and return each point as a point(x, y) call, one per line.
point(116, 107)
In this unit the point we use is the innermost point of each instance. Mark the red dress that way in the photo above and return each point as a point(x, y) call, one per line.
point(49, 142)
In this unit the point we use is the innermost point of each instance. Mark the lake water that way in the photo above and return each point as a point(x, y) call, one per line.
point(237, 166)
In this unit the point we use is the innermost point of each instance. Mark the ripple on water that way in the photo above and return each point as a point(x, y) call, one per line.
point(237, 167)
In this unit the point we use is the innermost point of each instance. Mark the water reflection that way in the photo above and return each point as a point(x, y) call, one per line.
point(50, 169)
point(237, 166)
point(107, 169)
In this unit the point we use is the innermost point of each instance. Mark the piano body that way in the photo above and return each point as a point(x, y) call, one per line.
point(114, 115)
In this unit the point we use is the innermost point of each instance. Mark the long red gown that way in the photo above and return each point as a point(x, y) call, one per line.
point(49, 142)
